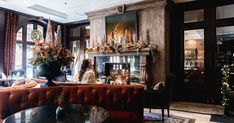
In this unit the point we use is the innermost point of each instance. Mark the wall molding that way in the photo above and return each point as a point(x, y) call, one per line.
point(128, 7)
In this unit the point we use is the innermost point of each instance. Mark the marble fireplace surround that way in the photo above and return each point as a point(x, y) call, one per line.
point(152, 16)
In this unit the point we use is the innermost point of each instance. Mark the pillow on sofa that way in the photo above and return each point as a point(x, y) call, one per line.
point(18, 82)
point(30, 83)
point(159, 86)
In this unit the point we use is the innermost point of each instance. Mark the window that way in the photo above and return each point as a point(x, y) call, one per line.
point(75, 32)
point(24, 47)
point(225, 11)
point(194, 16)
point(225, 48)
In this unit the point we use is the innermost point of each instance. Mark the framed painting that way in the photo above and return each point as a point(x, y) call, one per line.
point(122, 27)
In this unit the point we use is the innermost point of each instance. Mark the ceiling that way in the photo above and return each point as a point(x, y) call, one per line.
point(64, 11)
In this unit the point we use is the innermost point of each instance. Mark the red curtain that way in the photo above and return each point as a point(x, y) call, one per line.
point(11, 22)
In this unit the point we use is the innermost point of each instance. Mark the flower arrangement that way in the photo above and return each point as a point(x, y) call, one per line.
point(45, 53)
point(117, 47)
point(225, 88)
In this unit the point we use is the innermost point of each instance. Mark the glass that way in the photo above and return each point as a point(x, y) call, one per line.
point(194, 16)
point(194, 56)
point(41, 29)
point(29, 31)
point(225, 49)
point(86, 30)
point(29, 72)
point(78, 56)
point(134, 62)
point(226, 11)
point(75, 32)
point(18, 56)
point(19, 35)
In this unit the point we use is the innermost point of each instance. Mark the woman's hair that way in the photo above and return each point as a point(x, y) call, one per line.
point(84, 66)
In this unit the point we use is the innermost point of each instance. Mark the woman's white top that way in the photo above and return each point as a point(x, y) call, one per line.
point(88, 77)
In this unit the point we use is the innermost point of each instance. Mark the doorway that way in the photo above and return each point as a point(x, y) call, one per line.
point(204, 35)
point(194, 83)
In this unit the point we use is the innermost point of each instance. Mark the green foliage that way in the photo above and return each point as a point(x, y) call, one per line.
point(60, 100)
point(225, 88)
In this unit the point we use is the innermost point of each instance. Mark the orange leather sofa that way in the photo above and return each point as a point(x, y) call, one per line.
point(124, 102)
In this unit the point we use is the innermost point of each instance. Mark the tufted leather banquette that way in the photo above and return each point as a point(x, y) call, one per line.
point(118, 99)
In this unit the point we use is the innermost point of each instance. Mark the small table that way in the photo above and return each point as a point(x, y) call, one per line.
point(72, 113)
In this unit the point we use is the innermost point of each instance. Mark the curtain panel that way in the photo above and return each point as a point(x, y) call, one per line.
point(11, 22)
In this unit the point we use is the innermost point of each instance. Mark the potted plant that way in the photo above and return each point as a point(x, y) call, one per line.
point(225, 88)
point(49, 58)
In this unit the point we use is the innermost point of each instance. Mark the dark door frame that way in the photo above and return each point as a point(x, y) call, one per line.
point(177, 46)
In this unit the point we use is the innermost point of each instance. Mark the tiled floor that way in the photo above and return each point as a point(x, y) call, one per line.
point(200, 112)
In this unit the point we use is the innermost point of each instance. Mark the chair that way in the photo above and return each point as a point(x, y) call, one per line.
point(1, 83)
point(17, 73)
point(3, 79)
point(160, 99)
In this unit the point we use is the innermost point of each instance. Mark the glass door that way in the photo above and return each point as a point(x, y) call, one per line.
point(194, 56)
point(225, 50)
point(194, 84)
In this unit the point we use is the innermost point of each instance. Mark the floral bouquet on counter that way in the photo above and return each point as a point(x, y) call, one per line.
point(49, 59)
point(45, 53)
point(49, 56)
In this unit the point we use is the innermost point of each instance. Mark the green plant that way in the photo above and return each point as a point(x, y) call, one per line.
point(60, 100)
point(225, 88)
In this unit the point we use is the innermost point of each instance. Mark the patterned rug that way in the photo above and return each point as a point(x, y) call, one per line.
point(156, 118)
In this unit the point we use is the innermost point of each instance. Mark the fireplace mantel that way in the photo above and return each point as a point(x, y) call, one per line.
point(139, 60)
point(142, 52)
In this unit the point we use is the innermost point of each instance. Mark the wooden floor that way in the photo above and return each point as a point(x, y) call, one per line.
point(200, 113)
point(199, 108)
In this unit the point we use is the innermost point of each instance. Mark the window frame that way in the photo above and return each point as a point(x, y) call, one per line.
point(25, 42)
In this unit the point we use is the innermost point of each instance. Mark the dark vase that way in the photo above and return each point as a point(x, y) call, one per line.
point(49, 70)
point(60, 113)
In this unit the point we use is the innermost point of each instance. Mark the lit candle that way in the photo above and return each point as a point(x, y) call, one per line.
point(147, 36)
point(100, 40)
point(104, 38)
point(134, 38)
point(102, 43)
